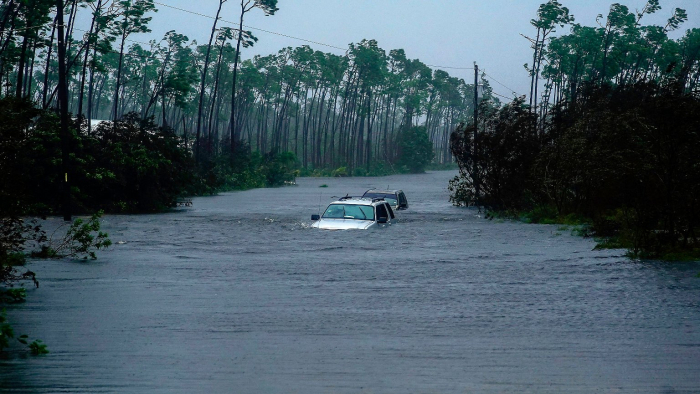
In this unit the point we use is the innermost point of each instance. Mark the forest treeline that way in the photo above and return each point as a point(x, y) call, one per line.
point(329, 110)
point(613, 140)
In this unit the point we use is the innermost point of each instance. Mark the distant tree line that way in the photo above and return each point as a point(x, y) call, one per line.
point(329, 110)
point(613, 140)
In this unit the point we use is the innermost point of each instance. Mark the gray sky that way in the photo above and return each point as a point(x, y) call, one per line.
point(448, 33)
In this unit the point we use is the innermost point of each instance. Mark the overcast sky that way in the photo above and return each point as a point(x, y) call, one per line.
point(447, 33)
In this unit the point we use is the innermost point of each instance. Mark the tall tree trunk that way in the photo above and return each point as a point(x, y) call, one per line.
point(22, 60)
point(235, 76)
point(115, 106)
point(214, 94)
point(85, 60)
point(48, 66)
point(204, 81)
point(533, 78)
point(63, 103)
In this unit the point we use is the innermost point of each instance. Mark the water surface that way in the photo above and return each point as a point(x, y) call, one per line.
point(237, 294)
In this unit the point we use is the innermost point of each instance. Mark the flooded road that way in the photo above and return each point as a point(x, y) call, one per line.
point(237, 295)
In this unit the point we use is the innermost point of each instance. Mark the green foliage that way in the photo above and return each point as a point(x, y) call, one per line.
point(279, 169)
point(15, 233)
point(415, 150)
point(130, 165)
point(461, 188)
point(14, 259)
point(23, 162)
point(133, 164)
point(269, 7)
point(13, 295)
point(609, 243)
point(82, 239)
point(7, 333)
point(124, 166)
point(243, 170)
point(507, 146)
point(340, 172)
point(377, 168)
point(38, 348)
point(541, 214)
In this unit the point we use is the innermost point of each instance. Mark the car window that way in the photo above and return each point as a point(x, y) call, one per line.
point(334, 211)
point(388, 197)
point(349, 211)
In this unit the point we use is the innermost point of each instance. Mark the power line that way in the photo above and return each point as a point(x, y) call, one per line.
point(495, 80)
point(126, 39)
point(33, 27)
point(278, 34)
point(500, 95)
point(451, 68)
point(251, 27)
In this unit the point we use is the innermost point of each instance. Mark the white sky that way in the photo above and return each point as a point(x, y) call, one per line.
point(449, 33)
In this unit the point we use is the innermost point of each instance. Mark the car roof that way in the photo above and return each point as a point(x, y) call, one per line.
point(359, 201)
point(383, 191)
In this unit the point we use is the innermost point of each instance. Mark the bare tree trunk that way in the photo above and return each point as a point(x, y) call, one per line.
point(63, 103)
point(235, 76)
point(204, 81)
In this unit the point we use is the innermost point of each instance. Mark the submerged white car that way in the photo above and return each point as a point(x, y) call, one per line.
point(355, 213)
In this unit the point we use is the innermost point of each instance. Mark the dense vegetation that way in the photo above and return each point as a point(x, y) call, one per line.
point(613, 142)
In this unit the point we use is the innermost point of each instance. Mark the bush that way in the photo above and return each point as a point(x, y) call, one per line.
point(82, 239)
point(507, 147)
point(340, 172)
point(137, 166)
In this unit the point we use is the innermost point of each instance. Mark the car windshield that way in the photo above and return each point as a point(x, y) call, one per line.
point(349, 211)
point(388, 197)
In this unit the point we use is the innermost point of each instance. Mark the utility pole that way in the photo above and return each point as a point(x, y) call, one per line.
point(475, 170)
point(63, 107)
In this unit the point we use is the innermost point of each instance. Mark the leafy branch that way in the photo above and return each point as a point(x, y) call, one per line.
point(82, 239)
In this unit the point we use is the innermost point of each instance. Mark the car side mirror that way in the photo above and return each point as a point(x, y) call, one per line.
point(315, 217)
point(382, 220)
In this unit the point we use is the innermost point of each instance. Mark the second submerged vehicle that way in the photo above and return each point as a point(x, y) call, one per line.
point(396, 198)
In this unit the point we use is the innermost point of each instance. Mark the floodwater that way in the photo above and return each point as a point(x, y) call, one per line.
point(238, 295)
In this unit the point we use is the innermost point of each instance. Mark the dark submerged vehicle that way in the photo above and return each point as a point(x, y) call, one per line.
point(395, 198)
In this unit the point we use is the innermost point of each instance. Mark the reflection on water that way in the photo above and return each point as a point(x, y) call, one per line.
point(238, 294)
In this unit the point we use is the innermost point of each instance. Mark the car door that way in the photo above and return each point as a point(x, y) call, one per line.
point(383, 212)
point(403, 202)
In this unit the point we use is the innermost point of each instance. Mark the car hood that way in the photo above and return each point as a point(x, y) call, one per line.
point(342, 224)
